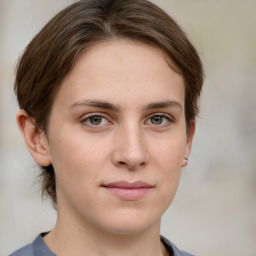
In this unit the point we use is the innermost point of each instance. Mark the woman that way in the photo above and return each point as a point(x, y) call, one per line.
point(108, 94)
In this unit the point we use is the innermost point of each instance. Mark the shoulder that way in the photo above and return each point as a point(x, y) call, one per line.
point(173, 248)
point(27, 250)
point(37, 248)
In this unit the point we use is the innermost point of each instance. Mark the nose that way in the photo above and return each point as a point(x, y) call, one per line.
point(130, 149)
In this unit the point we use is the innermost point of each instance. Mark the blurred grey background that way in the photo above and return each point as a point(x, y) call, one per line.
point(214, 212)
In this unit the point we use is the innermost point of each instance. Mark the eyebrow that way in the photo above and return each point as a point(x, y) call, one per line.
point(94, 103)
point(109, 106)
point(163, 104)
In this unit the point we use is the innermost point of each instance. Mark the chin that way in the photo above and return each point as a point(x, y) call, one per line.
point(130, 224)
point(127, 230)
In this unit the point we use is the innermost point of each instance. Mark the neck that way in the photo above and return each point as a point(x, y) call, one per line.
point(70, 239)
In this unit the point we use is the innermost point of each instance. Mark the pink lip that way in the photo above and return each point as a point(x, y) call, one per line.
point(128, 190)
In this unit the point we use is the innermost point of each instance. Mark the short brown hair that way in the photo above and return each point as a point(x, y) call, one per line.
point(53, 51)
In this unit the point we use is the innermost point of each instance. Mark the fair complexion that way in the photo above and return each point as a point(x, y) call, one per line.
point(117, 140)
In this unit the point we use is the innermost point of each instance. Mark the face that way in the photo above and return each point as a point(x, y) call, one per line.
point(117, 138)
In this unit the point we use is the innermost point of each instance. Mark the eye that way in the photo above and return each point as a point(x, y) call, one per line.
point(95, 120)
point(159, 119)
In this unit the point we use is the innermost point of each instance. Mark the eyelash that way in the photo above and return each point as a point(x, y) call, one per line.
point(162, 116)
point(86, 120)
point(89, 117)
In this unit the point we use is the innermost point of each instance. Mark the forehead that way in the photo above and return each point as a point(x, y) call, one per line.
point(124, 52)
point(120, 70)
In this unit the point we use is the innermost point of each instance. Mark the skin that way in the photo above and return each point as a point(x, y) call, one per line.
point(138, 133)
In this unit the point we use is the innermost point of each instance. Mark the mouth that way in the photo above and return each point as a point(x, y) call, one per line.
point(129, 191)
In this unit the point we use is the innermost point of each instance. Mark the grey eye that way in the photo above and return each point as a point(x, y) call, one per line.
point(157, 120)
point(95, 120)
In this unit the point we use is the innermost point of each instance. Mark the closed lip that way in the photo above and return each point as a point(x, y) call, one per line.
point(128, 191)
point(128, 185)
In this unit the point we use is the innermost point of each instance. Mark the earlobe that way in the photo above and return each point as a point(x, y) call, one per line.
point(34, 138)
point(184, 161)
point(190, 135)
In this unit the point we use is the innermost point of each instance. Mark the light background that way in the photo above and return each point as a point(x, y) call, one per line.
point(214, 212)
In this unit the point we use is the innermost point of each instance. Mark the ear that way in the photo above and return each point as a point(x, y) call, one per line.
point(34, 138)
point(190, 135)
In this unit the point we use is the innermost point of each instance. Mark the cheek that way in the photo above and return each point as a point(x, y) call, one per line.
point(170, 152)
point(168, 158)
point(170, 166)
point(76, 159)
point(75, 170)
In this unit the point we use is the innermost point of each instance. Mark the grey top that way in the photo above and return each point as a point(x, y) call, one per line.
point(39, 248)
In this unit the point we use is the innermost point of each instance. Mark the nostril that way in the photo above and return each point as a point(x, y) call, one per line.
point(142, 164)
point(131, 166)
